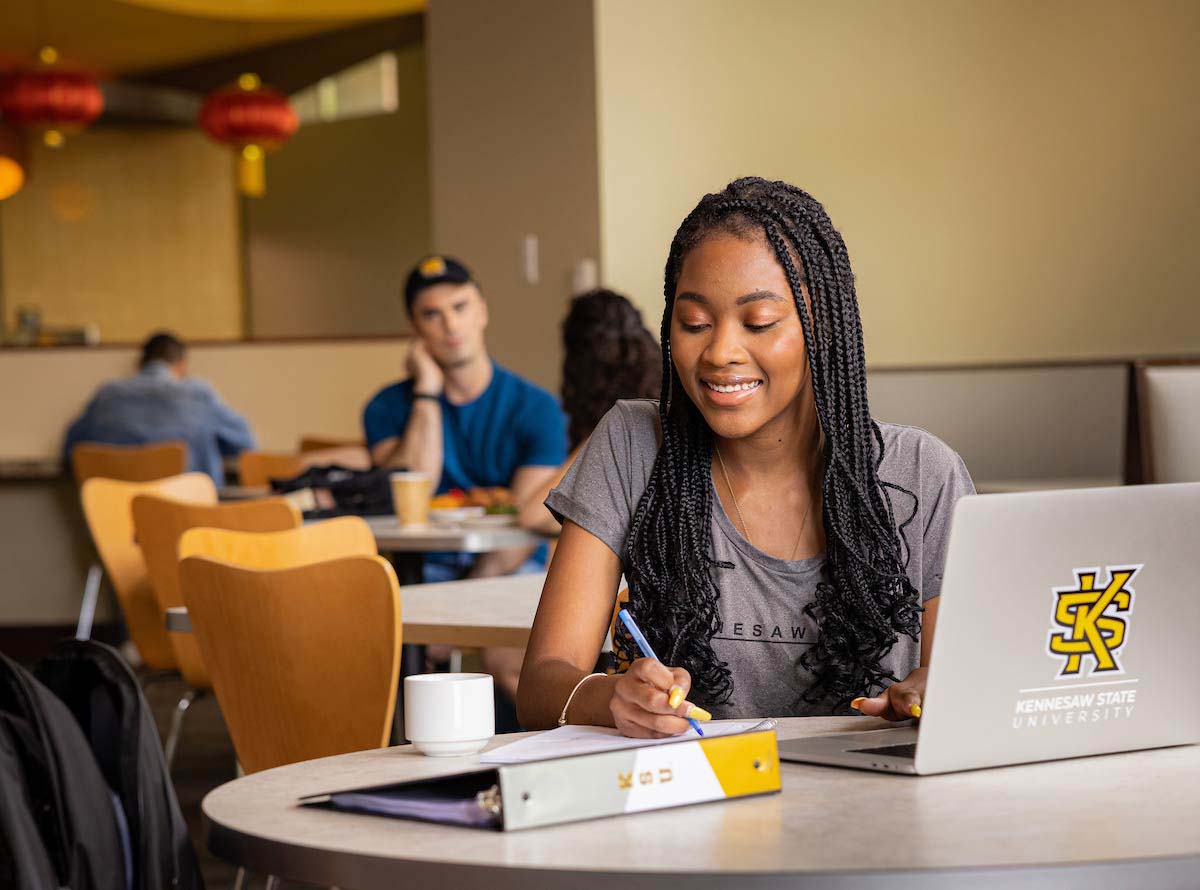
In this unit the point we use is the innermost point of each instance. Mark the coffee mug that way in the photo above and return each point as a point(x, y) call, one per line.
point(447, 715)
point(410, 497)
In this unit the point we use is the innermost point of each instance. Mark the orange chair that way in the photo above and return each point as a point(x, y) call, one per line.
point(256, 469)
point(129, 463)
point(159, 523)
point(324, 443)
point(316, 542)
point(107, 507)
point(304, 660)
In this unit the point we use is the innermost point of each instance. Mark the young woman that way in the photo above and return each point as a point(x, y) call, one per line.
point(607, 355)
point(779, 543)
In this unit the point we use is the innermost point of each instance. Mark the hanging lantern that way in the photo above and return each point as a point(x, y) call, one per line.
point(51, 100)
point(12, 162)
point(253, 119)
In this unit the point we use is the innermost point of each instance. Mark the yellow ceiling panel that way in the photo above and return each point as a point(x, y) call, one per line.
point(127, 36)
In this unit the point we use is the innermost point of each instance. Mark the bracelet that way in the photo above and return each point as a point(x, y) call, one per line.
point(562, 718)
point(426, 395)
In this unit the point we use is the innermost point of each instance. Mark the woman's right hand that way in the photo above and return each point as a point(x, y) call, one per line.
point(641, 701)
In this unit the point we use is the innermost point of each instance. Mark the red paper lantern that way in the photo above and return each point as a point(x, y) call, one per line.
point(51, 100)
point(254, 119)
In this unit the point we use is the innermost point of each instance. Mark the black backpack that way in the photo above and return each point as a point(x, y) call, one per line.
point(61, 792)
point(24, 862)
point(353, 492)
point(103, 694)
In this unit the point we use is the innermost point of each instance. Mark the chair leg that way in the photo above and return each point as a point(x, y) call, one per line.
point(87, 609)
point(272, 882)
point(239, 880)
point(181, 709)
point(456, 661)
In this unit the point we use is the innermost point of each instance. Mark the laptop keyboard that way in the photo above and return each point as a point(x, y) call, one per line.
point(909, 751)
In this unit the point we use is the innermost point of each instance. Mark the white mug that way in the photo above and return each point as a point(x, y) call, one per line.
point(447, 715)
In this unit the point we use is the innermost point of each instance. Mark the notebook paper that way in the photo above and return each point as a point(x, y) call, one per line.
point(569, 740)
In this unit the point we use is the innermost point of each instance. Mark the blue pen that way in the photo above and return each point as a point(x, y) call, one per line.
point(644, 645)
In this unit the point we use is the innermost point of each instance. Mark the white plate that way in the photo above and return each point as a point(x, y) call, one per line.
point(451, 515)
point(497, 520)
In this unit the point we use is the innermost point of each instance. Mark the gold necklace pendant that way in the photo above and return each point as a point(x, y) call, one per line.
point(742, 519)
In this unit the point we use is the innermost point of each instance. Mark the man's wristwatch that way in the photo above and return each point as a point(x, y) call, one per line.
point(427, 395)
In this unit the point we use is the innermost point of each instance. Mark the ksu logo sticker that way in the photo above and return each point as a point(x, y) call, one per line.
point(1091, 621)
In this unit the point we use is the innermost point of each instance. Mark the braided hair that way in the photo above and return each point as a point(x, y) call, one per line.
point(867, 599)
point(607, 355)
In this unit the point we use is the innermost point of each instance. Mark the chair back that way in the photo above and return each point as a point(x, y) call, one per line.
point(256, 469)
point(129, 463)
point(107, 507)
point(1168, 407)
point(318, 542)
point(322, 443)
point(159, 522)
point(304, 661)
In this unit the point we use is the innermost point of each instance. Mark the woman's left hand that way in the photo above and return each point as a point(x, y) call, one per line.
point(900, 701)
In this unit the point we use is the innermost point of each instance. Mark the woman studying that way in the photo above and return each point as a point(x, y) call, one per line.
point(784, 550)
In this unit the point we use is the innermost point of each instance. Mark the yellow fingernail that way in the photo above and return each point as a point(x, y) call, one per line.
point(915, 710)
point(675, 696)
point(699, 714)
point(857, 702)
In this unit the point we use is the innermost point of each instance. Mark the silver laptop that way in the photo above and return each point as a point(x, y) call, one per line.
point(1067, 627)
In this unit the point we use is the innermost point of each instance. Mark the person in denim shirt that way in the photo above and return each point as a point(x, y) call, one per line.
point(162, 403)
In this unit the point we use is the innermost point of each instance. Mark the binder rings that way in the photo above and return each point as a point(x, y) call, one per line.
point(508, 797)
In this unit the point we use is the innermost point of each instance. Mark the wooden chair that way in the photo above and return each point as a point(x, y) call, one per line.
point(129, 463)
point(159, 523)
point(318, 542)
point(107, 507)
point(1164, 422)
point(324, 443)
point(258, 468)
point(305, 660)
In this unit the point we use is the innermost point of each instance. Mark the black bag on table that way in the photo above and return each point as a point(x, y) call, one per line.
point(60, 788)
point(103, 694)
point(351, 492)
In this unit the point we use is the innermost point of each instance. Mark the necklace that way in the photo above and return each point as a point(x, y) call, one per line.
point(742, 519)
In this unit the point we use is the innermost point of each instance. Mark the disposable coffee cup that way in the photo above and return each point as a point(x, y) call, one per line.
point(411, 493)
point(449, 715)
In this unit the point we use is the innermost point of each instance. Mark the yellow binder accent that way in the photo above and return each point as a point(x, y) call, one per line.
point(744, 764)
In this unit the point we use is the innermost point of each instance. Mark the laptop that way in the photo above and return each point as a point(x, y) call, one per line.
point(1067, 627)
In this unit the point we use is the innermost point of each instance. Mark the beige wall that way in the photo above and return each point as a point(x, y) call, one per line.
point(513, 152)
point(130, 229)
point(345, 216)
point(285, 390)
point(1014, 180)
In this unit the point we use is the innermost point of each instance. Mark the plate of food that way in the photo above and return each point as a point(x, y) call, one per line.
point(479, 507)
point(453, 515)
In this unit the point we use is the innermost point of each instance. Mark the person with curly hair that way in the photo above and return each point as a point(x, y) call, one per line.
point(784, 549)
point(608, 355)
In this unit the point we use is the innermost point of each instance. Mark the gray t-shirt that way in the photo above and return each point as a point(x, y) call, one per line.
point(762, 599)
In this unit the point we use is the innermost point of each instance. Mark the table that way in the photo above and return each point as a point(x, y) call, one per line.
point(1117, 821)
point(391, 537)
point(467, 614)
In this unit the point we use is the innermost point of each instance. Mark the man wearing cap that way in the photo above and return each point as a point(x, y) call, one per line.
point(460, 417)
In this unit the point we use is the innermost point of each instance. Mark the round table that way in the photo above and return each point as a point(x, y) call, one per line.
point(1120, 820)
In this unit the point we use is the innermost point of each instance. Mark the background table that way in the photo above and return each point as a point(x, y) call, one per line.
point(1117, 821)
point(467, 614)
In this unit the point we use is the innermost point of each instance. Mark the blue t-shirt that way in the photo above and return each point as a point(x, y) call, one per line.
point(513, 424)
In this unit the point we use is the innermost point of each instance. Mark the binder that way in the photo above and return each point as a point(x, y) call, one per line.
point(510, 797)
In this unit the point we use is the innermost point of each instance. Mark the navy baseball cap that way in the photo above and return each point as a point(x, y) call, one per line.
point(433, 270)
